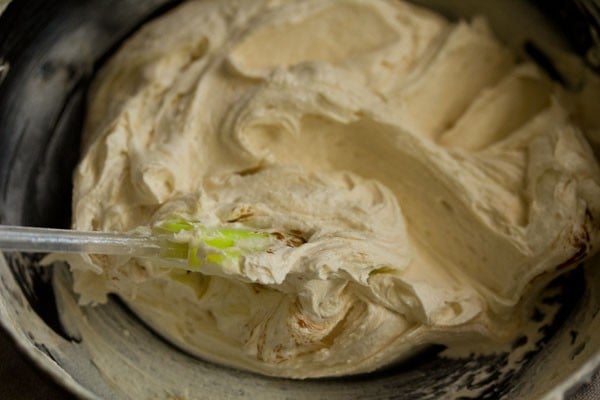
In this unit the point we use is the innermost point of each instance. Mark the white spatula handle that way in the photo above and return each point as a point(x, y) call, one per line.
point(45, 240)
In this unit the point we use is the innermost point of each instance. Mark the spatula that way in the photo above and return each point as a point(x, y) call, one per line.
point(191, 243)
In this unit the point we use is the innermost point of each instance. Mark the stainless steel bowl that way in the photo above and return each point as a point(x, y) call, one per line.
point(48, 53)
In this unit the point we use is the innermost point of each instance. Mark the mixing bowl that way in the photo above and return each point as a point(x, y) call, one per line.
point(49, 51)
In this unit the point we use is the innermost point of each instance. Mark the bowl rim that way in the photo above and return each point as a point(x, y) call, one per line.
point(40, 360)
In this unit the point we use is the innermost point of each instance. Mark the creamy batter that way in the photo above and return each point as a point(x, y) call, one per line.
point(432, 182)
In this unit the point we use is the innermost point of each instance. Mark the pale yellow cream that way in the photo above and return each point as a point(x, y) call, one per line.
point(430, 179)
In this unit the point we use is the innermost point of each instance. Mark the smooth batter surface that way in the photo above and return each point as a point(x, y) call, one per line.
point(431, 180)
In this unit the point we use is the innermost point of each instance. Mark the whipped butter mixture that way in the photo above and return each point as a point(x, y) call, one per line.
point(430, 181)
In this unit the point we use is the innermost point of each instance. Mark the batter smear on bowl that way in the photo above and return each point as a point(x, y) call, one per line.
point(425, 182)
